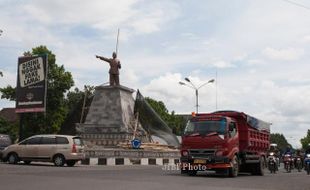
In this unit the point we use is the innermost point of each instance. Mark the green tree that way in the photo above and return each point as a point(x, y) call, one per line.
point(280, 140)
point(8, 93)
point(76, 96)
point(9, 128)
point(306, 140)
point(175, 122)
point(75, 102)
point(59, 82)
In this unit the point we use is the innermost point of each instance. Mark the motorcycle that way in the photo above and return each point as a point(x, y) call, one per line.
point(298, 163)
point(288, 162)
point(307, 163)
point(272, 162)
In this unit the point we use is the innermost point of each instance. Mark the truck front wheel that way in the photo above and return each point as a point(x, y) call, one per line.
point(192, 172)
point(234, 170)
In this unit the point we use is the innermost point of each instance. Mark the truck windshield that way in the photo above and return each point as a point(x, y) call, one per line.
point(205, 127)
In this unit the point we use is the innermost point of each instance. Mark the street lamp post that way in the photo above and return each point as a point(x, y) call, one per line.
point(191, 85)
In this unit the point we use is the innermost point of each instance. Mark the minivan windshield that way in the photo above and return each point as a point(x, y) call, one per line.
point(205, 127)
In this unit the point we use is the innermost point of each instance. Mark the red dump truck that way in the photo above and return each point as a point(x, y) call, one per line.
point(227, 142)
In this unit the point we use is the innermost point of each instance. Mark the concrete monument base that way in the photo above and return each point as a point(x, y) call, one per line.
point(110, 122)
point(110, 119)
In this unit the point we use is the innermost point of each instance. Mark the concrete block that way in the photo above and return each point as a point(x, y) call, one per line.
point(159, 161)
point(127, 161)
point(93, 161)
point(111, 161)
point(144, 161)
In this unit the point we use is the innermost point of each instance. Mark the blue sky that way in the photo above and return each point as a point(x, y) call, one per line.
point(259, 50)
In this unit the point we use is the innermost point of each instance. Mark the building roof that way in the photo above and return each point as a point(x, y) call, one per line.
point(9, 115)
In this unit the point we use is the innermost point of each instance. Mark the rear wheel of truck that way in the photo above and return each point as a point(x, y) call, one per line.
point(258, 169)
point(234, 170)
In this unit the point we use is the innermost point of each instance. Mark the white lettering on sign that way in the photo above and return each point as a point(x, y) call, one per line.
point(31, 72)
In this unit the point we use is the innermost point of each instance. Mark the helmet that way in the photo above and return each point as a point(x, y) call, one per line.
point(273, 145)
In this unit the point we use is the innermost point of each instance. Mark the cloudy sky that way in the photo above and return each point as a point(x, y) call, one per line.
point(258, 51)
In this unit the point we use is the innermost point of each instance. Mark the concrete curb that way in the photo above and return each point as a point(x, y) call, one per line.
point(129, 161)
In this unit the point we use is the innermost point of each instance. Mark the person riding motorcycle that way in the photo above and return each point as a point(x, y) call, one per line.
point(289, 152)
point(307, 149)
point(306, 159)
point(273, 148)
point(298, 155)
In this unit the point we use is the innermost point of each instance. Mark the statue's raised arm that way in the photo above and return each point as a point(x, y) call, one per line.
point(115, 65)
point(103, 58)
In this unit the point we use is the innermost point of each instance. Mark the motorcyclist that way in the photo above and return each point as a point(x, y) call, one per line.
point(298, 154)
point(289, 152)
point(274, 148)
point(307, 150)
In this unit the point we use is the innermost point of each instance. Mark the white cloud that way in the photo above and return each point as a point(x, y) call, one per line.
point(7, 79)
point(306, 39)
point(253, 62)
point(105, 15)
point(180, 98)
point(287, 54)
point(221, 64)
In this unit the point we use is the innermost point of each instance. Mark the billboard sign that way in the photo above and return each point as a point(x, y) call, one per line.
point(31, 84)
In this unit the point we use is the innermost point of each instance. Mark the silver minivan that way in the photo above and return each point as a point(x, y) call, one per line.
point(59, 149)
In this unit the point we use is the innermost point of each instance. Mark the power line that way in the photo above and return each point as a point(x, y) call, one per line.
point(297, 4)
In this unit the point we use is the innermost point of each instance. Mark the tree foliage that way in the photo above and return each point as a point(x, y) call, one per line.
point(75, 102)
point(175, 122)
point(59, 82)
point(76, 96)
point(280, 140)
point(306, 140)
point(9, 128)
point(8, 93)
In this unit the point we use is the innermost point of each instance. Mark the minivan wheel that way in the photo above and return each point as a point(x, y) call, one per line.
point(71, 163)
point(59, 160)
point(13, 158)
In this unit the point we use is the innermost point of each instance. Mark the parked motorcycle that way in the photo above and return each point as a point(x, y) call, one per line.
point(272, 162)
point(307, 163)
point(288, 162)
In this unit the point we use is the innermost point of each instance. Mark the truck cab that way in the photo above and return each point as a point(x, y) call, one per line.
point(221, 142)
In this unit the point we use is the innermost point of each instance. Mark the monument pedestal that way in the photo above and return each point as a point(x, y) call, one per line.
point(110, 119)
point(110, 122)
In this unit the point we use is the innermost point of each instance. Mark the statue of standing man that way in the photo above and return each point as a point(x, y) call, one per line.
point(115, 65)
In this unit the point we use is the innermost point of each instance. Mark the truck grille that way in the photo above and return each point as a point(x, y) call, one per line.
point(201, 153)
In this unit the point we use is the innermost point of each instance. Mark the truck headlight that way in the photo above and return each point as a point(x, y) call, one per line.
point(184, 153)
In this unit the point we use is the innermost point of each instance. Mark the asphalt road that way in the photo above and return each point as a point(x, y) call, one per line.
point(47, 177)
